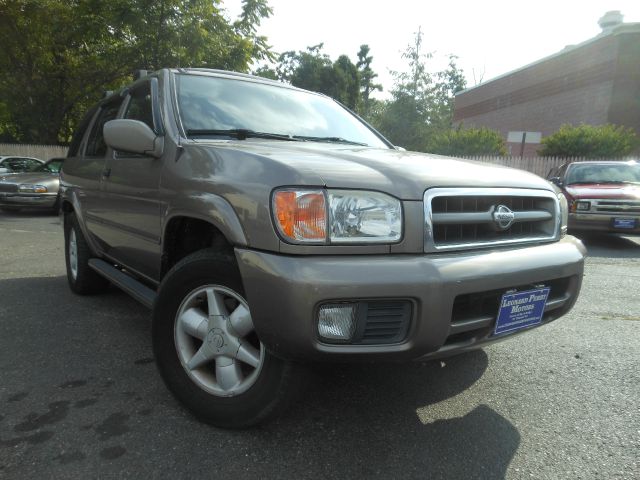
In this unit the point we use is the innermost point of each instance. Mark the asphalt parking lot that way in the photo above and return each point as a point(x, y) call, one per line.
point(80, 397)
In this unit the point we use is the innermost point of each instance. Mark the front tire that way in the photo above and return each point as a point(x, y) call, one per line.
point(207, 350)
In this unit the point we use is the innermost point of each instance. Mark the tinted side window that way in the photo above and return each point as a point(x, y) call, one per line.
point(78, 135)
point(20, 164)
point(139, 107)
point(96, 146)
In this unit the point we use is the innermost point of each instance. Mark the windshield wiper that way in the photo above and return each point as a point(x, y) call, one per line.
point(240, 134)
point(330, 140)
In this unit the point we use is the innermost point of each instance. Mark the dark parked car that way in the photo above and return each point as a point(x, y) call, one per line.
point(602, 196)
point(36, 188)
point(16, 164)
point(267, 225)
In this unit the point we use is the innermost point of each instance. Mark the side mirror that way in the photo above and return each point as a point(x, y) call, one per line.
point(133, 136)
point(399, 148)
point(557, 181)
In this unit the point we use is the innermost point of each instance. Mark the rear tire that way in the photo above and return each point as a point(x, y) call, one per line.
point(82, 279)
point(56, 205)
point(207, 350)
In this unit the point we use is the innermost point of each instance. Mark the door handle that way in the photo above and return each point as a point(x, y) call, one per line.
point(106, 173)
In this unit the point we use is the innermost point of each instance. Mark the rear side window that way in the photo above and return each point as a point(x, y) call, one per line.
point(139, 107)
point(96, 146)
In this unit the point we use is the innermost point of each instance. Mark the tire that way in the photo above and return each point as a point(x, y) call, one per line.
point(194, 350)
point(82, 279)
point(56, 206)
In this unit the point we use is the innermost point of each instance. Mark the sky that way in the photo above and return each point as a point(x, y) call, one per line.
point(490, 37)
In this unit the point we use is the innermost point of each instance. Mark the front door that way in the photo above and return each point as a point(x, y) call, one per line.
point(131, 195)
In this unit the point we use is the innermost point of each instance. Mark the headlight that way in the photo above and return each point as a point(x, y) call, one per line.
point(28, 188)
point(337, 216)
point(357, 216)
point(564, 214)
point(582, 206)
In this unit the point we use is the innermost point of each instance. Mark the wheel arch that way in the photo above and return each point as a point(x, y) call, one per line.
point(185, 232)
point(69, 203)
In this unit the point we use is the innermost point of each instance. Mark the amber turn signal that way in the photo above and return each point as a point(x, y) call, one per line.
point(301, 215)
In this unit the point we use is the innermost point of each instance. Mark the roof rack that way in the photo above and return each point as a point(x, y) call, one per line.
point(138, 74)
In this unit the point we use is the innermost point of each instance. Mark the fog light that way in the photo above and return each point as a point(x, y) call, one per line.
point(336, 321)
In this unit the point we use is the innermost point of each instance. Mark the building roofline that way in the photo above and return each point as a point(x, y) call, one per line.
point(619, 30)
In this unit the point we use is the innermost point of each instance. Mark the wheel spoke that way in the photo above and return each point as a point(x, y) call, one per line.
point(201, 357)
point(195, 323)
point(241, 321)
point(249, 355)
point(228, 373)
point(224, 362)
point(215, 303)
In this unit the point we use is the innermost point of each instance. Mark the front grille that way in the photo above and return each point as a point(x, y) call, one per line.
point(617, 206)
point(474, 314)
point(382, 322)
point(8, 187)
point(464, 218)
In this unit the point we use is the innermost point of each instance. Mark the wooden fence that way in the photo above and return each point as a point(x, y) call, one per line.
point(43, 152)
point(538, 165)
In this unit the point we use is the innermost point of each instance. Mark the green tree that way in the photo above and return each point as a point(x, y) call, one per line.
point(367, 78)
point(467, 142)
point(346, 82)
point(603, 141)
point(58, 57)
point(422, 102)
point(312, 69)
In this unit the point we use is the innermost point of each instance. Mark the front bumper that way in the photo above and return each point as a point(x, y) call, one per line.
point(601, 222)
point(44, 200)
point(284, 294)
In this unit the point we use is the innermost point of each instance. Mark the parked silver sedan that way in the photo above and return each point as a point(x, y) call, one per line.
point(36, 188)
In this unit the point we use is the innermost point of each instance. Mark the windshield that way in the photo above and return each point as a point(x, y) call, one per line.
point(211, 105)
point(604, 173)
point(52, 166)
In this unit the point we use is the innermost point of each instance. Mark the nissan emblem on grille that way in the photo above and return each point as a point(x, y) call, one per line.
point(503, 217)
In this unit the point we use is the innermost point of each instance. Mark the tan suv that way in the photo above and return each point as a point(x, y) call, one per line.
point(266, 225)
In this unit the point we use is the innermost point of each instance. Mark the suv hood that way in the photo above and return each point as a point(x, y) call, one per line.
point(604, 190)
point(405, 175)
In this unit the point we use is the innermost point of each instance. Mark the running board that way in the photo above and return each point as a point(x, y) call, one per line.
point(130, 285)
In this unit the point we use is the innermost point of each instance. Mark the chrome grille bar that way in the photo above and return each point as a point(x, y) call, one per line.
point(468, 218)
point(487, 217)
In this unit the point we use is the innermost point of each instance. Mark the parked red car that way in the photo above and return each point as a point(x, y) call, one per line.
point(602, 196)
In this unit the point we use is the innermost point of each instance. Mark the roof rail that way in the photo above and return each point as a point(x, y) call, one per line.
point(138, 74)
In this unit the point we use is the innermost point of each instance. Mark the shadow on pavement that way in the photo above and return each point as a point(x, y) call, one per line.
point(363, 418)
point(28, 212)
point(610, 245)
point(351, 420)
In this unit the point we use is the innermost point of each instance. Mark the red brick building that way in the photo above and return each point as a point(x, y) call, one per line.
point(595, 82)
